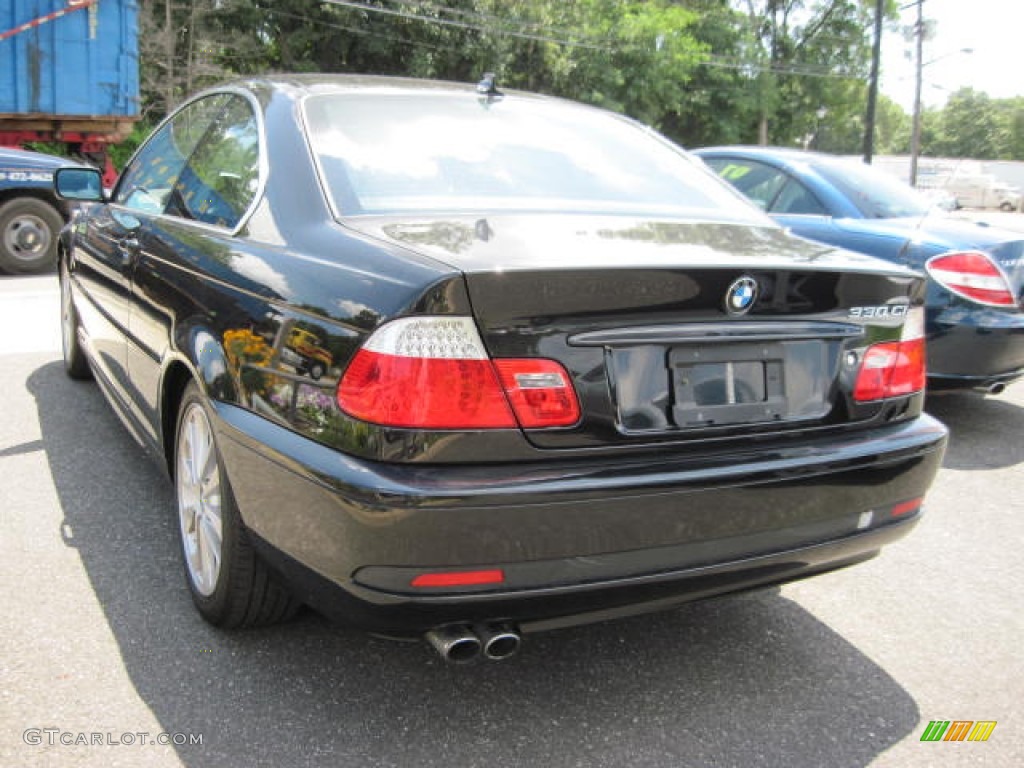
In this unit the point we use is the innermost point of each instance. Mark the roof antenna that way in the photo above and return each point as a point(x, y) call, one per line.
point(488, 88)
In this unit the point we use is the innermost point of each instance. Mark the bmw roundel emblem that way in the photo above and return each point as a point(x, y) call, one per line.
point(741, 295)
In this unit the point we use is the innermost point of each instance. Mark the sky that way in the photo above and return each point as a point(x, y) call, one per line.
point(991, 28)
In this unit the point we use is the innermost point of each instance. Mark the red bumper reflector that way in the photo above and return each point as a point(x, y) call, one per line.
point(460, 578)
point(907, 506)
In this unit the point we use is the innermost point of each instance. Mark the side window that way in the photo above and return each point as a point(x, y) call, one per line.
point(758, 182)
point(147, 182)
point(796, 199)
point(221, 178)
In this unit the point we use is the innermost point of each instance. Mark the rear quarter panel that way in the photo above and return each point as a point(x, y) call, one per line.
point(227, 307)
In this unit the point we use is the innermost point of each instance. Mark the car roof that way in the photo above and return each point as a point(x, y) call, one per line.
point(300, 84)
point(780, 154)
point(752, 149)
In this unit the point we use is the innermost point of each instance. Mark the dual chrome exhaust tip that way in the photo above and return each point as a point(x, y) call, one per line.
point(462, 643)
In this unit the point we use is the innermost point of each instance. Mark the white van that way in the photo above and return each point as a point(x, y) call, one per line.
point(983, 191)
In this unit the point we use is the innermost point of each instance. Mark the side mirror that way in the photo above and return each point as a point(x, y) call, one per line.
point(78, 184)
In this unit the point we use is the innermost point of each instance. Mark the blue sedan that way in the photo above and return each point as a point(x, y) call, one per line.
point(975, 322)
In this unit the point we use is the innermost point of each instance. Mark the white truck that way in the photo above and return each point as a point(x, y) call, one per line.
point(983, 191)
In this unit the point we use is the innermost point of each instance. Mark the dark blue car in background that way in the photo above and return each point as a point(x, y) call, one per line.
point(31, 216)
point(975, 324)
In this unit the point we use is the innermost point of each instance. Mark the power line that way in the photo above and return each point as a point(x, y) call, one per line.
point(578, 43)
point(364, 32)
point(722, 62)
point(522, 24)
point(713, 60)
point(483, 17)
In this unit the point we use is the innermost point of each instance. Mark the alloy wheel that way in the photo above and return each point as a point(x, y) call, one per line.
point(67, 324)
point(199, 500)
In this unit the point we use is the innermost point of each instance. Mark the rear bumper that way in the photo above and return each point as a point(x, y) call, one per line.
point(975, 347)
point(576, 540)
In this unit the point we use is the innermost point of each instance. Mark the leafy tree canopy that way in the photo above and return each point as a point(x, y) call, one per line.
point(785, 72)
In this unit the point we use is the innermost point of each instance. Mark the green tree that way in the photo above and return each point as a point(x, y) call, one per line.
point(809, 55)
point(969, 128)
point(892, 127)
point(932, 132)
point(974, 125)
point(702, 71)
point(633, 56)
point(179, 52)
point(1010, 116)
point(720, 104)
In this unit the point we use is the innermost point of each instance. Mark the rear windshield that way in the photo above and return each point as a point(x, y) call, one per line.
point(397, 153)
point(876, 194)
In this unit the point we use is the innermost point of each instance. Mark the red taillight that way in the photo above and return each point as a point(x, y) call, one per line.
point(433, 373)
point(907, 507)
point(894, 368)
point(974, 276)
point(460, 578)
point(539, 391)
point(423, 393)
point(891, 369)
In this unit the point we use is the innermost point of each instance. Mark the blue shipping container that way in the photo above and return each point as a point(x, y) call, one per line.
point(85, 63)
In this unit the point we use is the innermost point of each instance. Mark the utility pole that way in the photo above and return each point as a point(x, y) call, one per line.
point(876, 56)
point(169, 51)
point(915, 135)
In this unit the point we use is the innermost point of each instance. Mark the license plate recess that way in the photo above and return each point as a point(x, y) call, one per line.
point(743, 383)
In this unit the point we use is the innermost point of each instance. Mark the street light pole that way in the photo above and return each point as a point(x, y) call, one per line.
point(915, 136)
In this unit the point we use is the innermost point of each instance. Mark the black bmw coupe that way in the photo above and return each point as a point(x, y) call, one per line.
point(440, 360)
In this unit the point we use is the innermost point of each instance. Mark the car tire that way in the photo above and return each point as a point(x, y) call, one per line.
point(1008, 207)
point(76, 365)
point(29, 229)
point(316, 370)
point(230, 585)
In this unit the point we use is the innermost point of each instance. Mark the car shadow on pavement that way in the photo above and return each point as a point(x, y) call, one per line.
point(983, 431)
point(747, 680)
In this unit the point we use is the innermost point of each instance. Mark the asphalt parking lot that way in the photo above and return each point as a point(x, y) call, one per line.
point(101, 644)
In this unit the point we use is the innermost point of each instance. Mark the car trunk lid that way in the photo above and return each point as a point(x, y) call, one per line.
point(649, 319)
